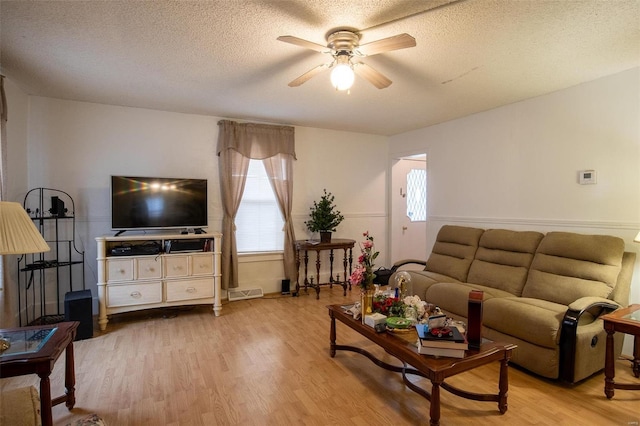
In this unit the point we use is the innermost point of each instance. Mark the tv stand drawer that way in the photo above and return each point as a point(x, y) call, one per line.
point(134, 294)
point(188, 289)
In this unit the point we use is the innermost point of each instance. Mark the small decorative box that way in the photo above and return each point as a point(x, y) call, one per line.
point(375, 318)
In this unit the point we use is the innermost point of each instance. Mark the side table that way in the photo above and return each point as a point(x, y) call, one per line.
point(625, 320)
point(304, 246)
point(35, 350)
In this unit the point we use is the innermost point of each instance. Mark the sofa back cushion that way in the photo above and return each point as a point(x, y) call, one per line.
point(453, 251)
point(569, 266)
point(503, 258)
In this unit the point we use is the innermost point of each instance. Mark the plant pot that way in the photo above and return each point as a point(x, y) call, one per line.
point(325, 236)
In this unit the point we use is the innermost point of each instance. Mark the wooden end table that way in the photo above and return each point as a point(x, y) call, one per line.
point(436, 369)
point(35, 350)
point(625, 320)
point(305, 246)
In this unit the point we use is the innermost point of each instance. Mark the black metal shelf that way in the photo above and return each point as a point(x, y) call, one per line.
point(37, 266)
point(35, 218)
point(62, 266)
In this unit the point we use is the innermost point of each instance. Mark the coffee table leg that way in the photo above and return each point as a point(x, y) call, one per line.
point(332, 336)
point(70, 377)
point(434, 409)
point(503, 385)
point(45, 399)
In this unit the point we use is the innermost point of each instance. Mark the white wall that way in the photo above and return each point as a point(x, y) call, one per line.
point(77, 146)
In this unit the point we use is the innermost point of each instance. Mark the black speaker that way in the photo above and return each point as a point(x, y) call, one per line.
point(285, 286)
point(78, 307)
point(57, 207)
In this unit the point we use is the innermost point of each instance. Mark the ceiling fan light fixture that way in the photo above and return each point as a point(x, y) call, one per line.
point(342, 76)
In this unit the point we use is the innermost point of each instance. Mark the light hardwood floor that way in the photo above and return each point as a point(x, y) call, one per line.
point(266, 362)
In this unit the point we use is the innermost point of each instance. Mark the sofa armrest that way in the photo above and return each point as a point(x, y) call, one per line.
point(383, 274)
point(400, 263)
point(594, 305)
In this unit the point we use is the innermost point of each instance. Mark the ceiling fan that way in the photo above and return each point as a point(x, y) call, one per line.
point(344, 47)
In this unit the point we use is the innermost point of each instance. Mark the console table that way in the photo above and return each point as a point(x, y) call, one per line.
point(304, 246)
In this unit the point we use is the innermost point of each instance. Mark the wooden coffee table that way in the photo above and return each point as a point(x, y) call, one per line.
point(625, 320)
point(402, 347)
point(35, 350)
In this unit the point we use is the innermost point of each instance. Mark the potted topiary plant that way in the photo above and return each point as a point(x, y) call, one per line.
point(324, 217)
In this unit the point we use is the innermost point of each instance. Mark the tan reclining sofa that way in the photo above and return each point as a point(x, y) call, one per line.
point(543, 292)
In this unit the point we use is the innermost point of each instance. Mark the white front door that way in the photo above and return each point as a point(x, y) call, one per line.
point(408, 234)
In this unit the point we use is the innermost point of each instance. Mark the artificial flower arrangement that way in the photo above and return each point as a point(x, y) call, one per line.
point(389, 306)
point(410, 306)
point(363, 274)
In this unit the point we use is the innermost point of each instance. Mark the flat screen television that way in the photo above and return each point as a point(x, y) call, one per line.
point(158, 203)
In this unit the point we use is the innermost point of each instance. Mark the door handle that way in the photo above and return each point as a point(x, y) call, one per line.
point(404, 228)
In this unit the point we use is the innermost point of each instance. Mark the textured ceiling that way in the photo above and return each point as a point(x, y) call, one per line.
point(222, 58)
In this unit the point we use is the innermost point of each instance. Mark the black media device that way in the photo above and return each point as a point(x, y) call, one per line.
point(286, 284)
point(173, 246)
point(57, 207)
point(77, 307)
point(158, 203)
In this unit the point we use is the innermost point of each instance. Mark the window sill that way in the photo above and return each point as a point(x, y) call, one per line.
point(248, 257)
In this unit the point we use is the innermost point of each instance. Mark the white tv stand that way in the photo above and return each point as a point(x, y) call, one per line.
point(138, 280)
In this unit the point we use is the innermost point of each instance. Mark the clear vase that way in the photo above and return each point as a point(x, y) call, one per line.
point(410, 313)
point(366, 302)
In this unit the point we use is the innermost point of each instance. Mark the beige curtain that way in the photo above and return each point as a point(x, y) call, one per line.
point(3, 141)
point(4, 298)
point(237, 144)
point(280, 169)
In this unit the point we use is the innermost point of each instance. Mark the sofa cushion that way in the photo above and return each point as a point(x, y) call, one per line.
point(533, 320)
point(503, 258)
point(569, 266)
point(454, 297)
point(453, 251)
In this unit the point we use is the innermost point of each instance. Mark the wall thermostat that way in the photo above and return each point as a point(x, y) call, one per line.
point(586, 177)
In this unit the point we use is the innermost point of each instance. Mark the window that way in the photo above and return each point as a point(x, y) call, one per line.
point(259, 223)
point(417, 195)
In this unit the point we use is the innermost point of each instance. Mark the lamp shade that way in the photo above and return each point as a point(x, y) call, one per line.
point(18, 234)
point(637, 238)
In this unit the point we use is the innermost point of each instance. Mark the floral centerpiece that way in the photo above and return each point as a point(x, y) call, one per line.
point(388, 306)
point(363, 275)
point(410, 307)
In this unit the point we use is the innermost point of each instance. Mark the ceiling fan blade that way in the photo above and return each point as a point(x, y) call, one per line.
point(400, 41)
point(371, 75)
point(304, 43)
point(309, 74)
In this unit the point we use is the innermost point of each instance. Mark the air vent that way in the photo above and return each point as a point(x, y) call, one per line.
point(240, 294)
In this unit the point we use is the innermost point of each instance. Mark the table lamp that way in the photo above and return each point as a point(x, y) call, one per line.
point(637, 238)
point(18, 235)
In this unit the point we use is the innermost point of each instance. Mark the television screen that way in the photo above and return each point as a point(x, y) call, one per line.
point(158, 203)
